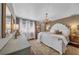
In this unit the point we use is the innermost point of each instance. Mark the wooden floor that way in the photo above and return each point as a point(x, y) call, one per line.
point(42, 49)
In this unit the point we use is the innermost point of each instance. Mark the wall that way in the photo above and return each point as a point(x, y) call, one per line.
point(72, 20)
point(10, 5)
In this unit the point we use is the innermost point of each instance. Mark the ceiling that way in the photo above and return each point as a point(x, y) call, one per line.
point(37, 11)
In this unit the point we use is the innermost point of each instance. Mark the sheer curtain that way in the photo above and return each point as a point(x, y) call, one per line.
point(28, 28)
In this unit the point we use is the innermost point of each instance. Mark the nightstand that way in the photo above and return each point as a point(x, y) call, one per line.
point(74, 38)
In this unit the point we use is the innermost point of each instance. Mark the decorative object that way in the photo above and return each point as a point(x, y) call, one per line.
point(74, 37)
point(58, 32)
point(47, 22)
point(17, 34)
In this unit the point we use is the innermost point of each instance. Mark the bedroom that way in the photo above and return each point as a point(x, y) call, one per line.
point(39, 28)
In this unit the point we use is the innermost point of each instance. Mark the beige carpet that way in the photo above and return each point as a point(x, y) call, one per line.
point(42, 49)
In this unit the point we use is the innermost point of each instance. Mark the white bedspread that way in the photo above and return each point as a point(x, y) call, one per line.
point(57, 42)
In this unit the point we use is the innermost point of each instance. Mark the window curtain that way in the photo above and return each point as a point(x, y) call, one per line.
point(28, 28)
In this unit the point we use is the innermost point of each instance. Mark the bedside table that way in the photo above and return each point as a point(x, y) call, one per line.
point(74, 38)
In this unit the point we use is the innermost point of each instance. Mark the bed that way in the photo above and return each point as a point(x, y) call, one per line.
point(57, 38)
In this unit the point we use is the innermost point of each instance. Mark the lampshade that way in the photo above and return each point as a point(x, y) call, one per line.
point(16, 26)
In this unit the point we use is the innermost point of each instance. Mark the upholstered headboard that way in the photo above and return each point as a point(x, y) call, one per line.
point(60, 27)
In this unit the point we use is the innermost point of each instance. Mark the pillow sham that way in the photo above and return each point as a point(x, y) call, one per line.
point(58, 32)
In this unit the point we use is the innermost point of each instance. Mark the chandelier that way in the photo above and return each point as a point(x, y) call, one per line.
point(46, 18)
